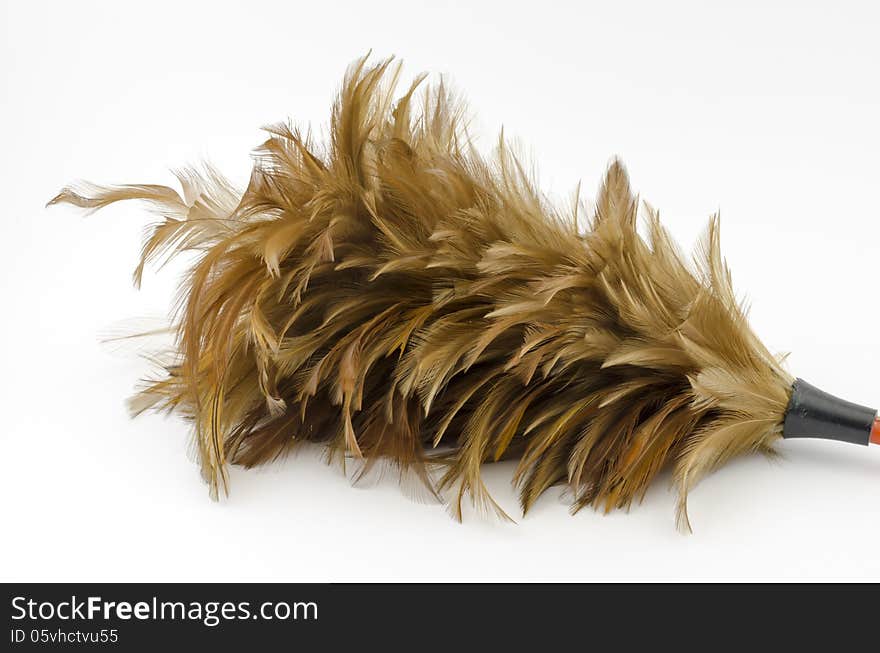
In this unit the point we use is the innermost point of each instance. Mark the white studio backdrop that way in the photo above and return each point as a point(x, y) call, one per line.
point(764, 110)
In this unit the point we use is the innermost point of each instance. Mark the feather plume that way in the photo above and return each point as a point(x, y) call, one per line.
point(401, 298)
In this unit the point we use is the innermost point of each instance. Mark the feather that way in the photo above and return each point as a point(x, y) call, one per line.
point(403, 299)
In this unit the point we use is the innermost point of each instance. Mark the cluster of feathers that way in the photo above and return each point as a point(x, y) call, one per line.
point(404, 299)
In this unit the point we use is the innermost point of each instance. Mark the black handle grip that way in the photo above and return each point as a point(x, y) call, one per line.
point(813, 413)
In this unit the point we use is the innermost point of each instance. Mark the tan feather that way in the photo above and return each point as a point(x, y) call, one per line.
point(399, 292)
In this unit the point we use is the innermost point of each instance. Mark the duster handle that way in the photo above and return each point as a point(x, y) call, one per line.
point(813, 413)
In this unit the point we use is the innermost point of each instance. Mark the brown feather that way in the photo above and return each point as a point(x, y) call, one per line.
point(400, 293)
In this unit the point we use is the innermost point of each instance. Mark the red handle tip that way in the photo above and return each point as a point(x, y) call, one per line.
point(875, 432)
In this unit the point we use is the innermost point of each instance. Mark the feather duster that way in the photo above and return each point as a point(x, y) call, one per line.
point(401, 298)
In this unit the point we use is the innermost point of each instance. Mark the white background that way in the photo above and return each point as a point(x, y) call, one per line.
point(768, 111)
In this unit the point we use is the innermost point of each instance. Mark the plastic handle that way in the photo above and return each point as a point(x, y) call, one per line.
point(813, 413)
